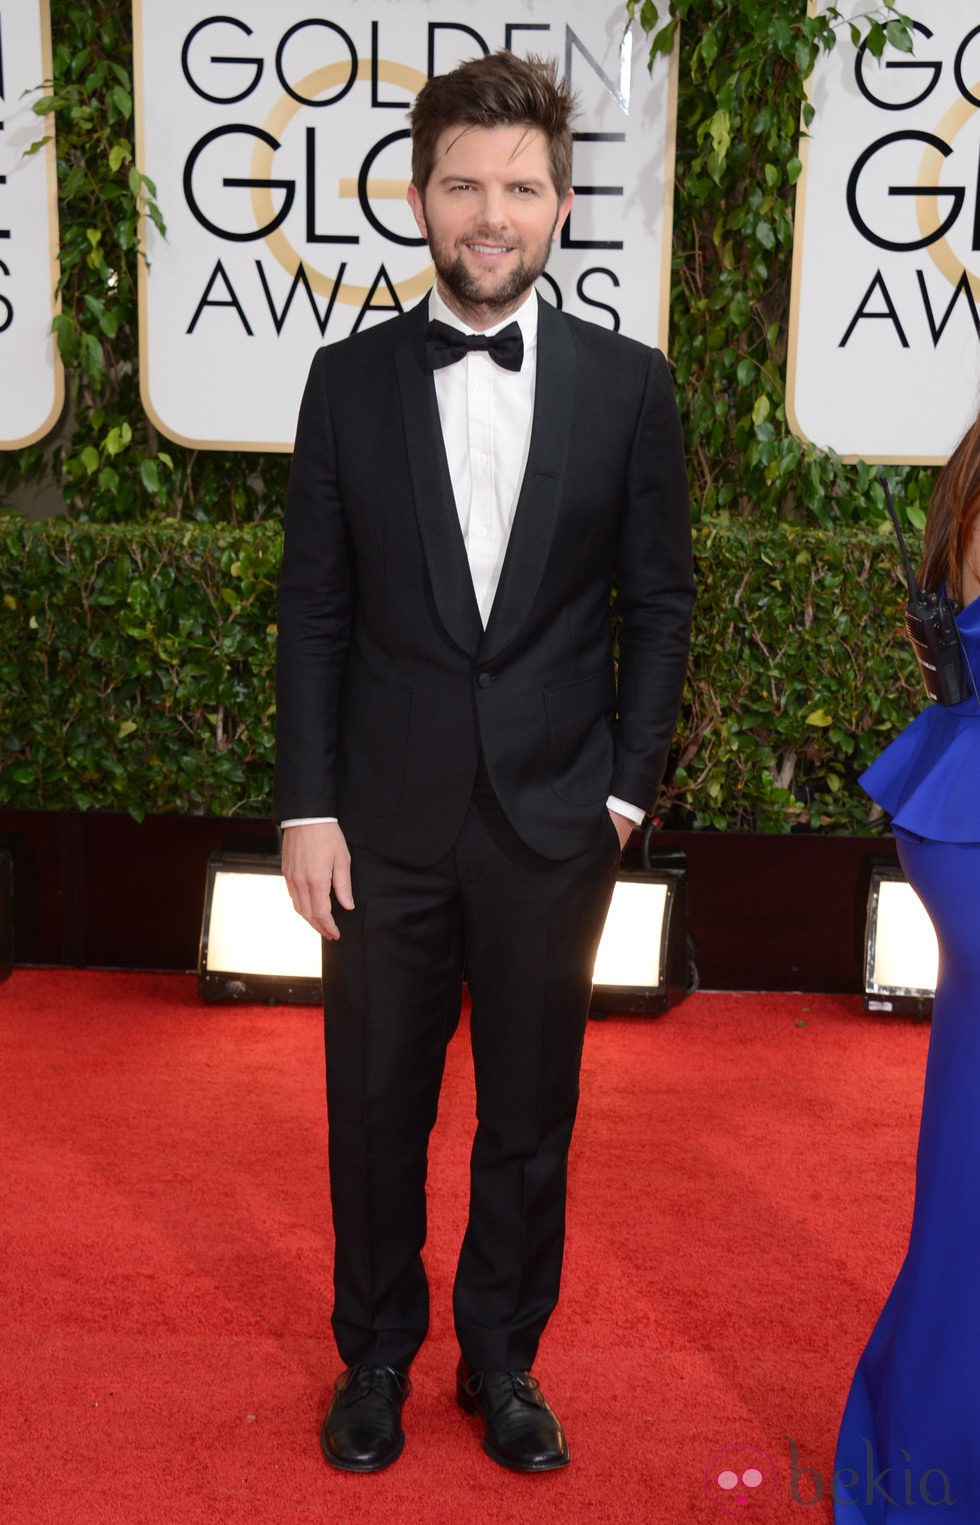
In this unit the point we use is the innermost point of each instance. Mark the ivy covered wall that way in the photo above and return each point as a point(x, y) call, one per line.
point(743, 71)
point(766, 744)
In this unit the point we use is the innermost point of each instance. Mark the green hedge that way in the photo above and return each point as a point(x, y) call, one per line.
point(136, 671)
point(136, 666)
point(800, 674)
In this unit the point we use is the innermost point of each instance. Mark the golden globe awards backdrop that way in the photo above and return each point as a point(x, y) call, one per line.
point(278, 141)
point(31, 377)
point(884, 357)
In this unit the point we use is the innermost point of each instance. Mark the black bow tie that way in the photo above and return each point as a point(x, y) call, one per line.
point(444, 345)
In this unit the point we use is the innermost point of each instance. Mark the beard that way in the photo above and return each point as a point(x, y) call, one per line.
point(473, 289)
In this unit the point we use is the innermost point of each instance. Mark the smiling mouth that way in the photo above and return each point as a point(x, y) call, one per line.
point(490, 251)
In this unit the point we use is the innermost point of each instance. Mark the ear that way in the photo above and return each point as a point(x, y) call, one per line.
point(418, 210)
point(563, 211)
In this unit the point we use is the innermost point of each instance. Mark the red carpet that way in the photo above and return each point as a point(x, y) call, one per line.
point(740, 1195)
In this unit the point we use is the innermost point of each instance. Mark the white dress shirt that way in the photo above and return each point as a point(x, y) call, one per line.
point(486, 414)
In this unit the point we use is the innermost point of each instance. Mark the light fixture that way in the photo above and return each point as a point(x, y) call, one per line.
point(254, 946)
point(643, 963)
point(901, 955)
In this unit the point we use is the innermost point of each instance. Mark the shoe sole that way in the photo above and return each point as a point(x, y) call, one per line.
point(542, 1466)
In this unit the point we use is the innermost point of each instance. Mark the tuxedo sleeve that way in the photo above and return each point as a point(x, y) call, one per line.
point(314, 615)
point(655, 592)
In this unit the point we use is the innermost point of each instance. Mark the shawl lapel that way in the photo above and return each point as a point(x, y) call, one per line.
point(435, 505)
point(540, 497)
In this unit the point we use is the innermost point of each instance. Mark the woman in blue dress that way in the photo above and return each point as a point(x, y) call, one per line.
point(909, 1445)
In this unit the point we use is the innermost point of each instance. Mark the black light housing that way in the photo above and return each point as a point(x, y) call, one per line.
point(644, 962)
point(900, 949)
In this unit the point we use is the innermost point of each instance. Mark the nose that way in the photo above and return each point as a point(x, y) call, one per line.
point(494, 208)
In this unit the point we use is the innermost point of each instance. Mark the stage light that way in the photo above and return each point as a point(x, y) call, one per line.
point(643, 963)
point(900, 951)
point(254, 946)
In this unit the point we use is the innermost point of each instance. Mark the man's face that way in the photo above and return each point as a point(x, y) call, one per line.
point(490, 213)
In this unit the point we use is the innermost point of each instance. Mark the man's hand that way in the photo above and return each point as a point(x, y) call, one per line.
point(315, 861)
point(624, 827)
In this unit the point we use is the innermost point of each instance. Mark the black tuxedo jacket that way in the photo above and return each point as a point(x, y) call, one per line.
point(389, 688)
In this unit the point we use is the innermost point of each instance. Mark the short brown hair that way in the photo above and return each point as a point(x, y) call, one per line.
point(953, 515)
point(500, 90)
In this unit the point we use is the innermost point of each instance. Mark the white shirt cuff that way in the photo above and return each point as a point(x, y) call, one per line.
point(309, 820)
point(623, 807)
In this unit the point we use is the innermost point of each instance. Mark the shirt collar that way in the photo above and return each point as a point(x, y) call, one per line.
point(526, 316)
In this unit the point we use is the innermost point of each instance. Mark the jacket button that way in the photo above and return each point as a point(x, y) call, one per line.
point(485, 679)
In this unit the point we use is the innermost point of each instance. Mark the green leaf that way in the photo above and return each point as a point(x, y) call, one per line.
point(899, 35)
point(719, 127)
point(118, 438)
point(150, 476)
point(122, 100)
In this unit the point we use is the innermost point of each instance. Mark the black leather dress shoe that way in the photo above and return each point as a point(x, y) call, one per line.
point(522, 1432)
point(362, 1431)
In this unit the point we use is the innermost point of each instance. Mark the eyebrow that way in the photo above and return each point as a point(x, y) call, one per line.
point(515, 179)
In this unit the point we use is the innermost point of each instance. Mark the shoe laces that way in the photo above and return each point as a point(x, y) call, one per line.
point(521, 1383)
point(361, 1381)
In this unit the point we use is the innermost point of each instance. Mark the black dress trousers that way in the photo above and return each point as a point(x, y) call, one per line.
point(527, 929)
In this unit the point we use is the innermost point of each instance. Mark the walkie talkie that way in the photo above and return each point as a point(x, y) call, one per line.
point(930, 621)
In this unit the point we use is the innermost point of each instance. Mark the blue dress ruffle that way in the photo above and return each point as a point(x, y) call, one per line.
point(928, 779)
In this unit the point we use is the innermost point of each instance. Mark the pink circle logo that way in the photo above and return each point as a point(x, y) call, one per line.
point(742, 1480)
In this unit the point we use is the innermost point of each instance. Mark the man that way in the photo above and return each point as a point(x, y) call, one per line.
point(456, 773)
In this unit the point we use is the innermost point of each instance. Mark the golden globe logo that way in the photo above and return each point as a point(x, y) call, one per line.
point(279, 143)
point(883, 359)
point(908, 190)
point(317, 174)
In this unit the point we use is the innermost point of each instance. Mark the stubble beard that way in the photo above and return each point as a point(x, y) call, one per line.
point(468, 289)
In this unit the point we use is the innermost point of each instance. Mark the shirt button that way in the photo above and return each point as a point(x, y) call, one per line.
point(480, 457)
point(485, 680)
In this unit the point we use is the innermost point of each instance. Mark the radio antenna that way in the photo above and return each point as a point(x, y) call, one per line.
point(913, 586)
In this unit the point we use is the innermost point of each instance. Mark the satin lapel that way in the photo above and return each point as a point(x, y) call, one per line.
point(540, 497)
point(435, 505)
